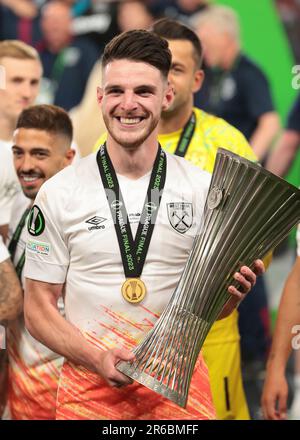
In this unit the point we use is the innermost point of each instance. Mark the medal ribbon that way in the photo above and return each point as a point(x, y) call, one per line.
point(133, 252)
point(12, 247)
point(186, 136)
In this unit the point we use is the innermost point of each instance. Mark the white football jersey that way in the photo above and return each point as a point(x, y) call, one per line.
point(9, 184)
point(72, 240)
point(4, 255)
point(33, 368)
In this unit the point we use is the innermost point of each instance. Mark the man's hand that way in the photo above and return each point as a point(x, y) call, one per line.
point(247, 279)
point(274, 396)
point(106, 366)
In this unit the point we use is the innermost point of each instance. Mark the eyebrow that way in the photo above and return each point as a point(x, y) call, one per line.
point(177, 63)
point(33, 150)
point(145, 87)
point(149, 87)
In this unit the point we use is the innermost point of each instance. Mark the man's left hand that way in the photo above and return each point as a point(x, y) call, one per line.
point(247, 279)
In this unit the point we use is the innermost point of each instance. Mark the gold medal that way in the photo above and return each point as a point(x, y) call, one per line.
point(133, 290)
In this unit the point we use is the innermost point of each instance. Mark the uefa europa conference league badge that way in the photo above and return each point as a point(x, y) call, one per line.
point(36, 221)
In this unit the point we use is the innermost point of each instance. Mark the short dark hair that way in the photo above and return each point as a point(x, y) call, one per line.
point(50, 118)
point(141, 46)
point(174, 30)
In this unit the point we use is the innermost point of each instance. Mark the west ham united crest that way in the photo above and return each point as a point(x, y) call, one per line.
point(180, 216)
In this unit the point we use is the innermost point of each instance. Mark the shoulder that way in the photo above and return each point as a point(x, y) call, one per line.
point(21, 202)
point(213, 125)
point(186, 171)
point(248, 69)
point(73, 178)
point(223, 134)
point(5, 153)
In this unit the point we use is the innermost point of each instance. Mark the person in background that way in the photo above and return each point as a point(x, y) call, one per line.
point(67, 61)
point(41, 148)
point(236, 88)
point(19, 20)
point(133, 14)
point(284, 152)
point(180, 10)
point(279, 162)
point(285, 338)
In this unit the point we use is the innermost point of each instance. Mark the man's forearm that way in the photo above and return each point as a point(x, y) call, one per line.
point(283, 154)
point(262, 138)
point(45, 323)
point(288, 317)
point(11, 295)
point(4, 232)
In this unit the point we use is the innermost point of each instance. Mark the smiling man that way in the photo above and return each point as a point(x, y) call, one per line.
point(113, 295)
point(41, 148)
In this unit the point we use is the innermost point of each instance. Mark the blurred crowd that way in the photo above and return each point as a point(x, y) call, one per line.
point(70, 35)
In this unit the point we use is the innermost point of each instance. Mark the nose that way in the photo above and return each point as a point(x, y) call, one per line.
point(26, 90)
point(129, 101)
point(27, 164)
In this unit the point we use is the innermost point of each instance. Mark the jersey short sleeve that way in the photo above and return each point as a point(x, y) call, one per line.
point(47, 256)
point(257, 92)
point(4, 255)
point(9, 186)
point(293, 122)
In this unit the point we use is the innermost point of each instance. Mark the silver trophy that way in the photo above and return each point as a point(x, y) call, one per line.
point(248, 212)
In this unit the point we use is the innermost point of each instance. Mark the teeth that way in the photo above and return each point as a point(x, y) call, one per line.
point(29, 179)
point(130, 121)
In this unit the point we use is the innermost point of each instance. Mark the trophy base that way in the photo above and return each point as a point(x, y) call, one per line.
point(151, 383)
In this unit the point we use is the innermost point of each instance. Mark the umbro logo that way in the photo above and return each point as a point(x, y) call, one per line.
point(96, 222)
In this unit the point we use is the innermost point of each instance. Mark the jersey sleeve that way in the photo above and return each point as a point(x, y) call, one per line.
point(9, 188)
point(258, 94)
point(293, 121)
point(4, 255)
point(47, 255)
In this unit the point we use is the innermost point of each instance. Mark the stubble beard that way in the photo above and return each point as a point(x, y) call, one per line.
point(131, 145)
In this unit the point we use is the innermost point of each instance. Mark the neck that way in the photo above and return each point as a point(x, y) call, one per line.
point(133, 163)
point(7, 129)
point(174, 121)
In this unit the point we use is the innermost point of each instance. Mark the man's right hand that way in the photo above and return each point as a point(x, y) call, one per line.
point(274, 397)
point(106, 366)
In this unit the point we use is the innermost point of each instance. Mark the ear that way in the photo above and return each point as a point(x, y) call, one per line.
point(99, 95)
point(198, 80)
point(69, 156)
point(168, 98)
